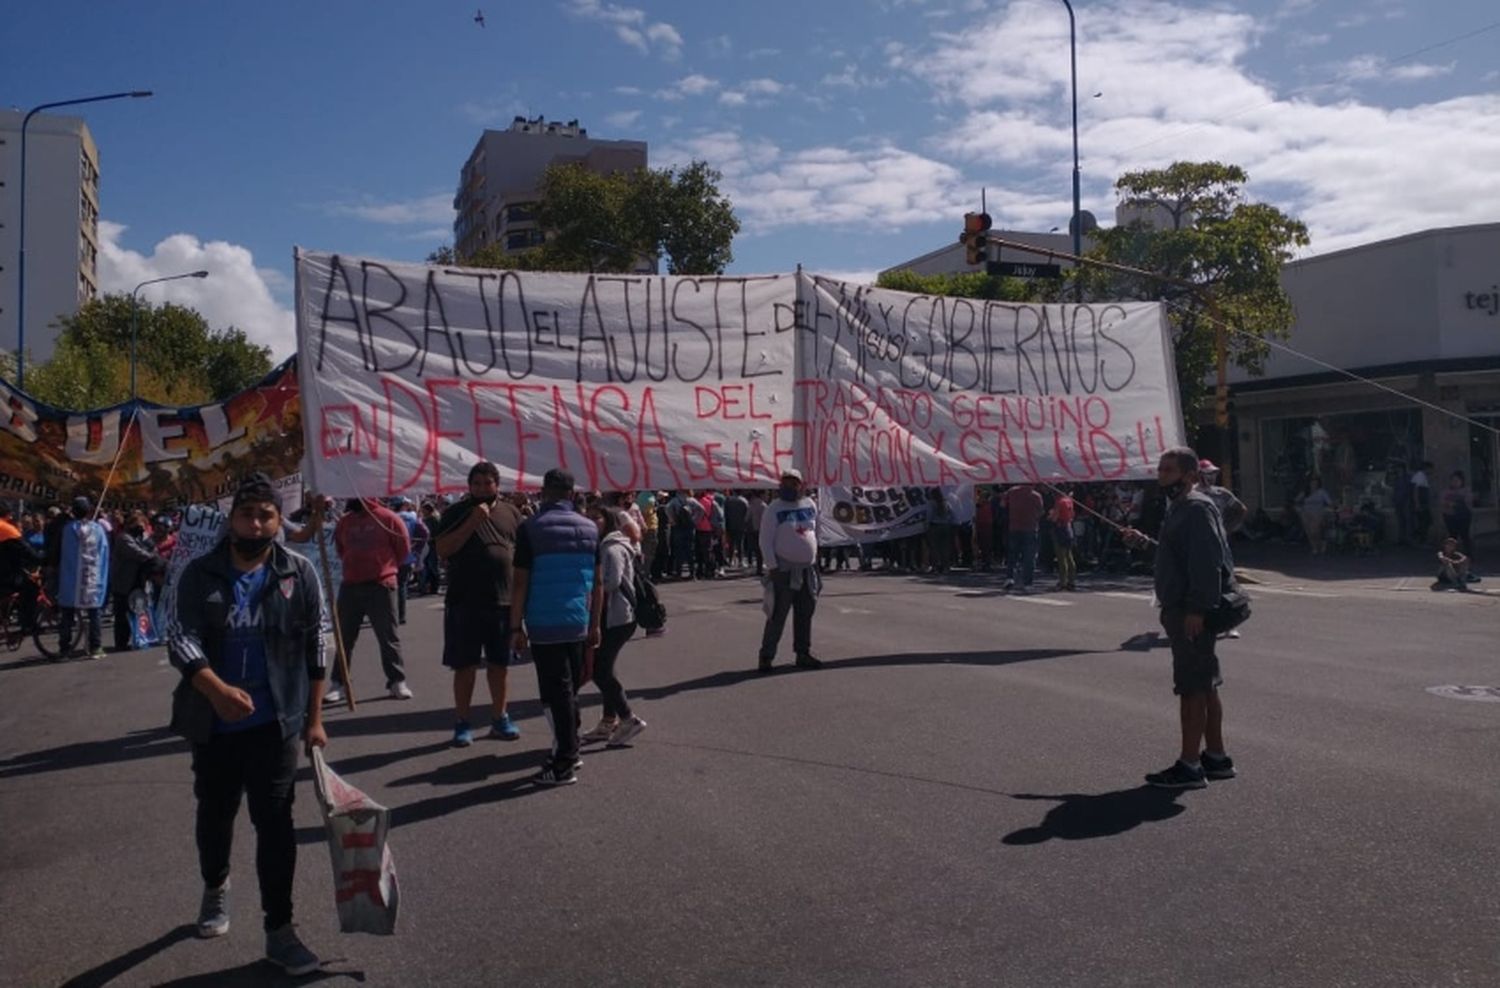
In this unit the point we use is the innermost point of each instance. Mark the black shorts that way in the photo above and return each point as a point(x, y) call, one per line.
point(476, 635)
point(1195, 666)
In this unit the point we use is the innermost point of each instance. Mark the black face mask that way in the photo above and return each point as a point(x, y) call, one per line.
point(1175, 490)
point(790, 494)
point(487, 499)
point(136, 530)
point(250, 548)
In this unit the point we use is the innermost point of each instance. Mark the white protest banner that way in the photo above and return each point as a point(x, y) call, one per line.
point(314, 551)
point(410, 374)
point(897, 389)
point(202, 527)
point(289, 487)
point(877, 514)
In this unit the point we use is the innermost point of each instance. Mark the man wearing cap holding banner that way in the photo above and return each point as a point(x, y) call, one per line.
point(789, 544)
point(248, 641)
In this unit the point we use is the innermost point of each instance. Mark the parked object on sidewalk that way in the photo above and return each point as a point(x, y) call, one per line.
point(364, 873)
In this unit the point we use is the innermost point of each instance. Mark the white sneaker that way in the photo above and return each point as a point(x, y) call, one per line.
point(333, 695)
point(601, 732)
point(626, 732)
point(400, 691)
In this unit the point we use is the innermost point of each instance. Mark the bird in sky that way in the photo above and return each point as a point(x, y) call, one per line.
point(479, 17)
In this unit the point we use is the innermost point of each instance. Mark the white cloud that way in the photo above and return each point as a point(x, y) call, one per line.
point(235, 293)
point(763, 87)
point(623, 119)
point(875, 188)
point(1177, 87)
point(431, 209)
point(688, 85)
point(631, 26)
point(1364, 68)
point(1308, 40)
point(1420, 70)
point(853, 78)
point(758, 92)
point(495, 109)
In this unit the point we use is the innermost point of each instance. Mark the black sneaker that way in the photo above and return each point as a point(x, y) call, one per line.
point(808, 661)
point(555, 775)
point(1178, 776)
point(764, 667)
point(1217, 769)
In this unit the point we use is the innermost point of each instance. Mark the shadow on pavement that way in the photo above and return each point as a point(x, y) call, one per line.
point(257, 974)
point(440, 806)
point(112, 969)
point(148, 743)
point(1145, 642)
point(473, 770)
point(1081, 816)
point(733, 677)
point(35, 660)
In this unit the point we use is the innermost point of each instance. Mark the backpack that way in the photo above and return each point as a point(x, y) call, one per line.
point(650, 612)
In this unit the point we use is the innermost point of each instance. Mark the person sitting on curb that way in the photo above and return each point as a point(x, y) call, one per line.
point(1454, 567)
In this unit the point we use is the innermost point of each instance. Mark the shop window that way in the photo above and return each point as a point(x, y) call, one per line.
point(1357, 456)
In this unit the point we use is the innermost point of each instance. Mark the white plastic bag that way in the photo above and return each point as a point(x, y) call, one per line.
point(364, 873)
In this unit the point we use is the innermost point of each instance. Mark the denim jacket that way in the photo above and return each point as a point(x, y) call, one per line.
point(291, 602)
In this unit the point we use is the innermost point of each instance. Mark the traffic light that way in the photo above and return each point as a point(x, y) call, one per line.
point(975, 237)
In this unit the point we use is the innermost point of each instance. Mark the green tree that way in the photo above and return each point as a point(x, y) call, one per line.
point(180, 359)
point(607, 223)
point(687, 219)
point(1223, 255)
point(972, 284)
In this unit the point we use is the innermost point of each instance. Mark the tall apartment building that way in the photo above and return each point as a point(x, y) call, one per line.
point(498, 186)
point(62, 225)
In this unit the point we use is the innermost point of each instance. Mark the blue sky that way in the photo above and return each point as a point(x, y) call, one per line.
point(852, 133)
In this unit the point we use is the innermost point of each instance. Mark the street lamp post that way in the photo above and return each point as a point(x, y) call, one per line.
point(134, 319)
point(21, 221)
point(1077, 173)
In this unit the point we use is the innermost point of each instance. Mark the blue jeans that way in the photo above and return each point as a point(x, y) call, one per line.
point(1021, 549)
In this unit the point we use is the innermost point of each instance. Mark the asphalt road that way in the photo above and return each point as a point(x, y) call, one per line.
point(955, 800)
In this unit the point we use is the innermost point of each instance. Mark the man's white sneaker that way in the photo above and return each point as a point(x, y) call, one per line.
point(626, 732)
point(213, 912)
point(601, 732)
point(333, 695)
point(400, 691)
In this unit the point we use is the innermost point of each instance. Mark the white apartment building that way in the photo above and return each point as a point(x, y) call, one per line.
point(497, 188)
point(62, 226)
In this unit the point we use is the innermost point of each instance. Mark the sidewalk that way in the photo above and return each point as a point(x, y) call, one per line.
point(1390, 567)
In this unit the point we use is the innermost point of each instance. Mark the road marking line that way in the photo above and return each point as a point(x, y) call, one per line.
point(1043, 600)
point(1291, 591)
point(1122, 595)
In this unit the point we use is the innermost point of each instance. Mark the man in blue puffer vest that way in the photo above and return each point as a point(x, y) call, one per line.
point(556, 600)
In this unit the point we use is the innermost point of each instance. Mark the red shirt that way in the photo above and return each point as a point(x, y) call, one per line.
point(372, 545)
point(1063, 511)
point(1024, 507)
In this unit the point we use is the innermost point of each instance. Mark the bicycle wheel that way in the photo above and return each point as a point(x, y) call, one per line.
point(48, 636)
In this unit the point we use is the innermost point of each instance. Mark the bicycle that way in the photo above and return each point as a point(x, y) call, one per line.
point(46, 634)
